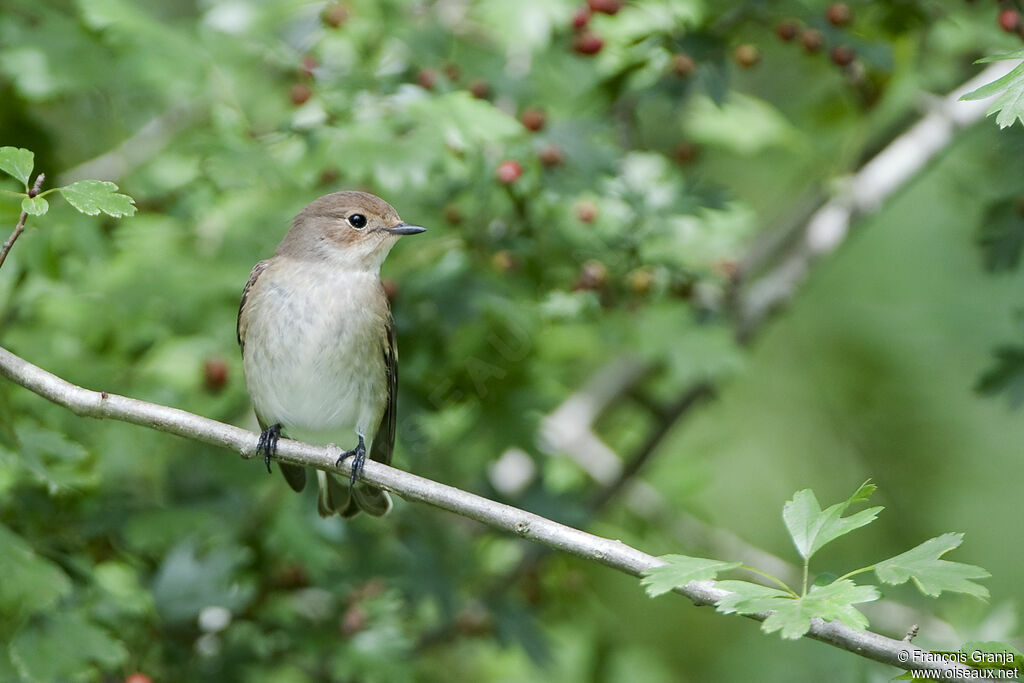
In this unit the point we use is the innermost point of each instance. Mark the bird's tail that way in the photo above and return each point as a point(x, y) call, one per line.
point(338, 498)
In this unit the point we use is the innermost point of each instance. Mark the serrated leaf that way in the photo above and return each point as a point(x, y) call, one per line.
point(65, 647)
point(811, 527)
point(832, 602)
point(1005, 376)
point(1001, 235)
point(749, 598)
point(992, 654)
point(30, 583)
point(1009, 93)
point(931, 574)
point(680, 570)
point(35, 206)
point(93, 196)
point(17, 162)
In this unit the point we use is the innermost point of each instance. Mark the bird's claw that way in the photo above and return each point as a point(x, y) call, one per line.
point(358, 461)
point(268, 443)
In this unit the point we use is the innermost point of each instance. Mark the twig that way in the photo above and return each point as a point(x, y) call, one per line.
point(864, 193)
point(611, 553)
point(20, 227)
point(695, 395)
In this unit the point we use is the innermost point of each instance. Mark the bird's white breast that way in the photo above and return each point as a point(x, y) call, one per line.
point(313, 353)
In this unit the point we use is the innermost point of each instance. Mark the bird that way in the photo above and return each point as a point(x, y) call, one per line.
point(318, 343)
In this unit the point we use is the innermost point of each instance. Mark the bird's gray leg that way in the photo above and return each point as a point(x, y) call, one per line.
point(359, 459)
point(268, 442)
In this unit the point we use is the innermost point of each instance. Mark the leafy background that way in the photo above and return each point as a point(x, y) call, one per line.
point(125, 550)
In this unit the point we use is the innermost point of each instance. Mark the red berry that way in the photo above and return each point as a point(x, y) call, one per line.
point(551, 155)
point(215, 374)
point(839, 14)
point(480, 88)
point(640, 280)
point(593, 275)
point(309, 62)
point(509, 171)
point(138, 677)
point(747, 55)
point(787, 30)
point(581, 18)
point(426, 78)
point(353, 620)
point(605, 6)
point(588, 43)
point(334, 15)
point(504, 261)
point(586, 211)
point(727, 268)
point(1009, 20)
point(533, 119)
point(453, 214)
point(300, 94)
point(842, 55)
point(685, 152)
point(329, 175)
point(453, 72)
point(812, 40)
point(683, 65)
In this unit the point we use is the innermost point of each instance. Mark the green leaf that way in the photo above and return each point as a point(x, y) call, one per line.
point(17, 162)
point(94, 196)
point(1005, 376)
point(811, 527)
point(931, 574)
point(992, 654)
point(1001, 235)
point(30, 583)
point(680, 570)
point(64, 647)
point(187, 581)
point(832, 602)
point(1016, 54)
point(1009, 104)
point(750, 598)
point(35, 206)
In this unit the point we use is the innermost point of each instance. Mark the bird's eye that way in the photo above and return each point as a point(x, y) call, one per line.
point(357, 220)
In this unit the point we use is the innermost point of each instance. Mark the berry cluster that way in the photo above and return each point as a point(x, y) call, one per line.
point(837, 14)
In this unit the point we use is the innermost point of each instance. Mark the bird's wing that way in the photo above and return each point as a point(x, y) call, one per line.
point(384, 440)
point(242, 322)
point(294, 474)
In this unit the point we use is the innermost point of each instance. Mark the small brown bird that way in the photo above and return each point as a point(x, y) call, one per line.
point(318, 342)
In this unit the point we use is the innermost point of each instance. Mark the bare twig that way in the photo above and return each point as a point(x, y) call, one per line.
point(692, 397)
point(20, 227)
point(609, 552)
point(863, 193)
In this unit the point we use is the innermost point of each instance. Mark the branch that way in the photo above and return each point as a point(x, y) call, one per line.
point(864, 193)
point(611, 553)
point(20, 227)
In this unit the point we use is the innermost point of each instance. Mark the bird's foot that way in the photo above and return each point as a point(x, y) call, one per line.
point(358, 460)
point(268, 442)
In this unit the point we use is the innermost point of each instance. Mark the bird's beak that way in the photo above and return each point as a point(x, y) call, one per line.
point(406, 229)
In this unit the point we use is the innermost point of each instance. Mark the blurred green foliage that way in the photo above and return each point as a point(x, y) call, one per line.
point(617, 234)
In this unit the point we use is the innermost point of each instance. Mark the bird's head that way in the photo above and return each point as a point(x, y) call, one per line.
point(352, 229)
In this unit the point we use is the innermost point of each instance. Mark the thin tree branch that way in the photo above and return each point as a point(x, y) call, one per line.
point(20, 227)
point(609, 552)
point(692, 397)
point(864, 193)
